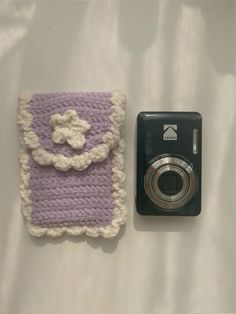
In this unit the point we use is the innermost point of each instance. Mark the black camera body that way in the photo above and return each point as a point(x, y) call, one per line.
point(169, 149)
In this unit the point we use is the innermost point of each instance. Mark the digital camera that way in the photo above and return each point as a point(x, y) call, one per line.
point(169, 149)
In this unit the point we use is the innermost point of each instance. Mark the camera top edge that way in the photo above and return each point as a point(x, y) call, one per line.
point(192, 115)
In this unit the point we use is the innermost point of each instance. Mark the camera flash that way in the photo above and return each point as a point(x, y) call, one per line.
point(195, 141)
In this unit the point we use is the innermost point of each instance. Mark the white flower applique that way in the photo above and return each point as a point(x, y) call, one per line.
point(69, 128)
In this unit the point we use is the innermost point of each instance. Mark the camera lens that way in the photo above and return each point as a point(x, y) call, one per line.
point(170, 183)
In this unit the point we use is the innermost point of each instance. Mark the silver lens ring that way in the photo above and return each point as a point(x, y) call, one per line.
point(179, 166)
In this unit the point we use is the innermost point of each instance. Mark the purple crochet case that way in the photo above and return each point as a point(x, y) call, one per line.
point(72, 163)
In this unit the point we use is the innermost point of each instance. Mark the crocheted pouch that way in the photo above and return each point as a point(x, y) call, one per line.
point(72, 163)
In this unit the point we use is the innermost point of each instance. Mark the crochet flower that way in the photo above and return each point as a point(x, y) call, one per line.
point(69, 128)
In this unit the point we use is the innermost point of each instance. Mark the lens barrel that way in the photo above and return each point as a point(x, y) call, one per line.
point(170, 182)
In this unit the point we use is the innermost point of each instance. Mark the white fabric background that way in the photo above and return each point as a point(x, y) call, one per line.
point(166, 55)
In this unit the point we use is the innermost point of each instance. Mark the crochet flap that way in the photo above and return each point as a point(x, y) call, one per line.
point(70, 130)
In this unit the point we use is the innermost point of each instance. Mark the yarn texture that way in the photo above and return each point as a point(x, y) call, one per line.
point(69, 128)
point(72, 163)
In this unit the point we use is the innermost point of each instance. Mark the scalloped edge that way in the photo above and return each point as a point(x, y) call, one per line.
point(78, 162)
point(118, 194)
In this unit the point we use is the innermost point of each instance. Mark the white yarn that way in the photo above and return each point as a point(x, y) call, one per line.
point(111, 142)
point(119, 214)
point(69, 128)
point(79, 162)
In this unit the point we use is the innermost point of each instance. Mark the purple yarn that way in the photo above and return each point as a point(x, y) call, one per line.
point(71, 197)
point(92, 107)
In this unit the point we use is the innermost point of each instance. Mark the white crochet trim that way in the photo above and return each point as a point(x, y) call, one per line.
point(30, 140)
point(78, 162)
point(69, 128)
point(118, 195)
